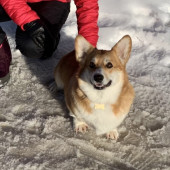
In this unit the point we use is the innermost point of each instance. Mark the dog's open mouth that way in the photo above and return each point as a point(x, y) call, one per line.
point(101, 86)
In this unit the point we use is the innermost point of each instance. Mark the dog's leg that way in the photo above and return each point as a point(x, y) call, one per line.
point(58, 81)
point(80, 126)
point(113, 134)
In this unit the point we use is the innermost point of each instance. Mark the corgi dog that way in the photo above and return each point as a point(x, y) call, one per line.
point(97, 91)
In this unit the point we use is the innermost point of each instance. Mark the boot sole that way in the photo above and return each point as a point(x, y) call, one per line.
point(4, 80)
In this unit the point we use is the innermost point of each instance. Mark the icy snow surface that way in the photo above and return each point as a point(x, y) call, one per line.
point(35, 130)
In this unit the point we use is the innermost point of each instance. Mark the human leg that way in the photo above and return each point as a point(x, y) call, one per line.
point(5, 58)
point(5, 52)
point(3, 15)
point(53, 14)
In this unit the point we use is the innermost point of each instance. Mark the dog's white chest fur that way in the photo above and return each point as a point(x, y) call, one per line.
point(102, 118)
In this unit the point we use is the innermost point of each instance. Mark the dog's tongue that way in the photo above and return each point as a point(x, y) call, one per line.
point(99, 84)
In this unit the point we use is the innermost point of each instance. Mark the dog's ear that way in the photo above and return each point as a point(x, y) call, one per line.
point(82, 48)
point(123, 49)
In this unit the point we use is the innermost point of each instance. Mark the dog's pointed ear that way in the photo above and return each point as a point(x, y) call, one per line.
point(123, 49)
point(82, 48)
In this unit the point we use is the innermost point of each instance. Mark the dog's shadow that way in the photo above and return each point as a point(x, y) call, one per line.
point(43, 69)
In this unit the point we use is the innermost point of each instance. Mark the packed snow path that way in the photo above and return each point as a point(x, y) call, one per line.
point(35, 130)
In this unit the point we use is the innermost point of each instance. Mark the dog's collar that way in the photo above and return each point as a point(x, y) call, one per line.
point(98, 106)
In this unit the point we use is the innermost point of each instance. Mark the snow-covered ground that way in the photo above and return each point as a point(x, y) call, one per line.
point(35, 130)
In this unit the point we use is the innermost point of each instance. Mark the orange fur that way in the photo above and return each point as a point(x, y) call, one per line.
point(71, 67)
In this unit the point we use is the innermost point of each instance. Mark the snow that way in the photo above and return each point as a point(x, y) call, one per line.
point(36, 131)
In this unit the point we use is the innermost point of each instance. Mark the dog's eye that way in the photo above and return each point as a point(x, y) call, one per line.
point(109, 65)
point(92, 65)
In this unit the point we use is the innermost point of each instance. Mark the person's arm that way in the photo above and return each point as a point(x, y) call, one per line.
point(19, 11)
point(87, 17)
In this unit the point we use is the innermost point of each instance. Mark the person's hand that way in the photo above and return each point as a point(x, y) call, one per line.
point(41, 36)
point(36, 31)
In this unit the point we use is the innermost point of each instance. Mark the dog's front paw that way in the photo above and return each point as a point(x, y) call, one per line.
point(81, 127)
point(113, 134)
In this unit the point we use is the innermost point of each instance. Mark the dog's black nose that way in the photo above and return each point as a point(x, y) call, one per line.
point(98, 78)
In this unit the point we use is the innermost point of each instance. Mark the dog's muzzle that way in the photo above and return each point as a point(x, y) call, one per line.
point(98, 78)
point(100, 86)
point(98, 82)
